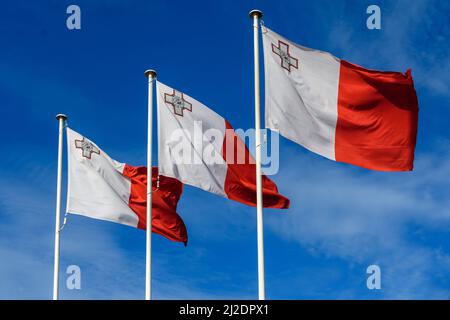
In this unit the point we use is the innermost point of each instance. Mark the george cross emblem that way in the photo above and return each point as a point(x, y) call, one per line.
point(287, 61)
point(176, 99)
point(87, 148)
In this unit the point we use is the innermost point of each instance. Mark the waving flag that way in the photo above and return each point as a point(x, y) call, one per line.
point(200, 148)
point(102, 188)
point(337, 109)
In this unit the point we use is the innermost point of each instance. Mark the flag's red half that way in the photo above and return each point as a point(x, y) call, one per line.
point(165, 220)
point(377, 118)
point(240, 180)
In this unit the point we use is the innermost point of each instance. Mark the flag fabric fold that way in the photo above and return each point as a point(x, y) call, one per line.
point(102, 188)
point(165, 196)
point(240, 181)
point(194, 147)
point(337, 109)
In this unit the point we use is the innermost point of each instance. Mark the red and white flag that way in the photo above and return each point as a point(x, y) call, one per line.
point(102, 188)
point(200, 148)
point(337, 109)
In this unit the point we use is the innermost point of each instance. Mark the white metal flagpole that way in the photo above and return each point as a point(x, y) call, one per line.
point(62, 119)
point(151, 75)
point(256, 16)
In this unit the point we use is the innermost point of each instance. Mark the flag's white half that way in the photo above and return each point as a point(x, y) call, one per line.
point(183, 120)
point(303, 109)
point(97, 187)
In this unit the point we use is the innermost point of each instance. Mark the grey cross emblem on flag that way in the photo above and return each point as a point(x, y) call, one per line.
point(176, 99)
point(87, 148)
point(287, 61)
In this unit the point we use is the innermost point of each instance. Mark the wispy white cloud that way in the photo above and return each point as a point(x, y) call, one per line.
point(367, 217)
point(413, 35)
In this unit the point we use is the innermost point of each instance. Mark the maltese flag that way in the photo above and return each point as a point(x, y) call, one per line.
point(200, 148)
point(102, 188)
point(337, 109)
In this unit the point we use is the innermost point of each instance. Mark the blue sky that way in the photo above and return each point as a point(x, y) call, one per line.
point(342, 218)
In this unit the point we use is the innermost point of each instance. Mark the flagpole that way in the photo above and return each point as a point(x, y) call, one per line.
point(151, 75)
point(61, 119)
point(256, 16)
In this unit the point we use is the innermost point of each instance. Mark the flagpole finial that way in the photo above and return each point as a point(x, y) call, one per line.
point(60, 116)
point(255, 12)
point(150, 73)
